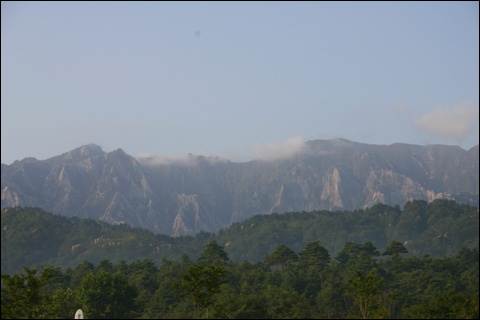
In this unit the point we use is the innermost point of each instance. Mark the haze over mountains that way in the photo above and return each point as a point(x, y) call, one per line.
point(194, 193)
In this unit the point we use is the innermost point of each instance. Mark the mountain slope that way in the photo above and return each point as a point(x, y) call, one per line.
point(440, 228)
point(208, 193)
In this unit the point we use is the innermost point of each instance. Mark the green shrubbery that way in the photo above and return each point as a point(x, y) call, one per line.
point(275, 266)
point(353, 284)
point(440, 228)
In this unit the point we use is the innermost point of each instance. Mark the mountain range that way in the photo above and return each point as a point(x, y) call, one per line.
point(210, 193)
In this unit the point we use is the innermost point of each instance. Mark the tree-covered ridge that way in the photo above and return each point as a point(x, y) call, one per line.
point(31, 236)
point(439, 228)
point(354, 284)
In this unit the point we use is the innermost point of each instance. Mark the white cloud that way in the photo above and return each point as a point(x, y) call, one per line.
point(268, 152)
point(452, 123)
point(165, 159)
point(276, 151)
point(183, 160)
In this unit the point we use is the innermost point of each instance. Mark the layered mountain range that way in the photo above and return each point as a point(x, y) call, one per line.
point(207, 193)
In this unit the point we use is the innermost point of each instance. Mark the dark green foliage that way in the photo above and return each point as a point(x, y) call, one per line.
point(104, 265)
point(200, 284)
point(164, 302)
point(394, 247)
point(22, 297)
point(365, 291)
point(440, 228)
point(451, 305)
point(65, 304)
point(370, 250)
point(348, 250)
point(237, 305)
point(139, 276)
point(359, 255)
point(398, 287)
point(286, 303)
point(81, 272)
point(31, 236)
point(213, 254)
point(104, 296)
point(314, 256)
point(283, 256)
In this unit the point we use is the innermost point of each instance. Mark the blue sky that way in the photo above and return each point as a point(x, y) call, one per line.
point(235, 79)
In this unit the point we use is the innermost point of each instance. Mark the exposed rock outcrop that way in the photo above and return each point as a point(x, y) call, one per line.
point(179, 198)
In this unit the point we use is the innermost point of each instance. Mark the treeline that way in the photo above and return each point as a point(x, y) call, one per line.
point(360, 282)
point(440, 228)
point(32, 236)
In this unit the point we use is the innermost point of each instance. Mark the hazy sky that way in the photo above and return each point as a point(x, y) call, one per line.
point(241, 80)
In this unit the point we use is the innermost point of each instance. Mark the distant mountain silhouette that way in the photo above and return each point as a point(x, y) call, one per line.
point(206, 193)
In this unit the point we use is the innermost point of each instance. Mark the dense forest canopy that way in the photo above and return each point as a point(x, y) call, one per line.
point(440, 228)
point(354, 284)
point(381, 262)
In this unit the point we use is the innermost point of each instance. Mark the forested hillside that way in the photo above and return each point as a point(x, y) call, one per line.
point(440, 228)
point(310, 284)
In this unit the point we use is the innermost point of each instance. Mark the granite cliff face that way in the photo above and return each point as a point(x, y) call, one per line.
point(206, 194)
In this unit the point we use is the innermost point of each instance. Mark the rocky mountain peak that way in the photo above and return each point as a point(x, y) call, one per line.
point(91, 150)
point(187, 194)
point(82, 152)
point(26, 160)
point(119, 151)
point(474, 149)
point(86, 150)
